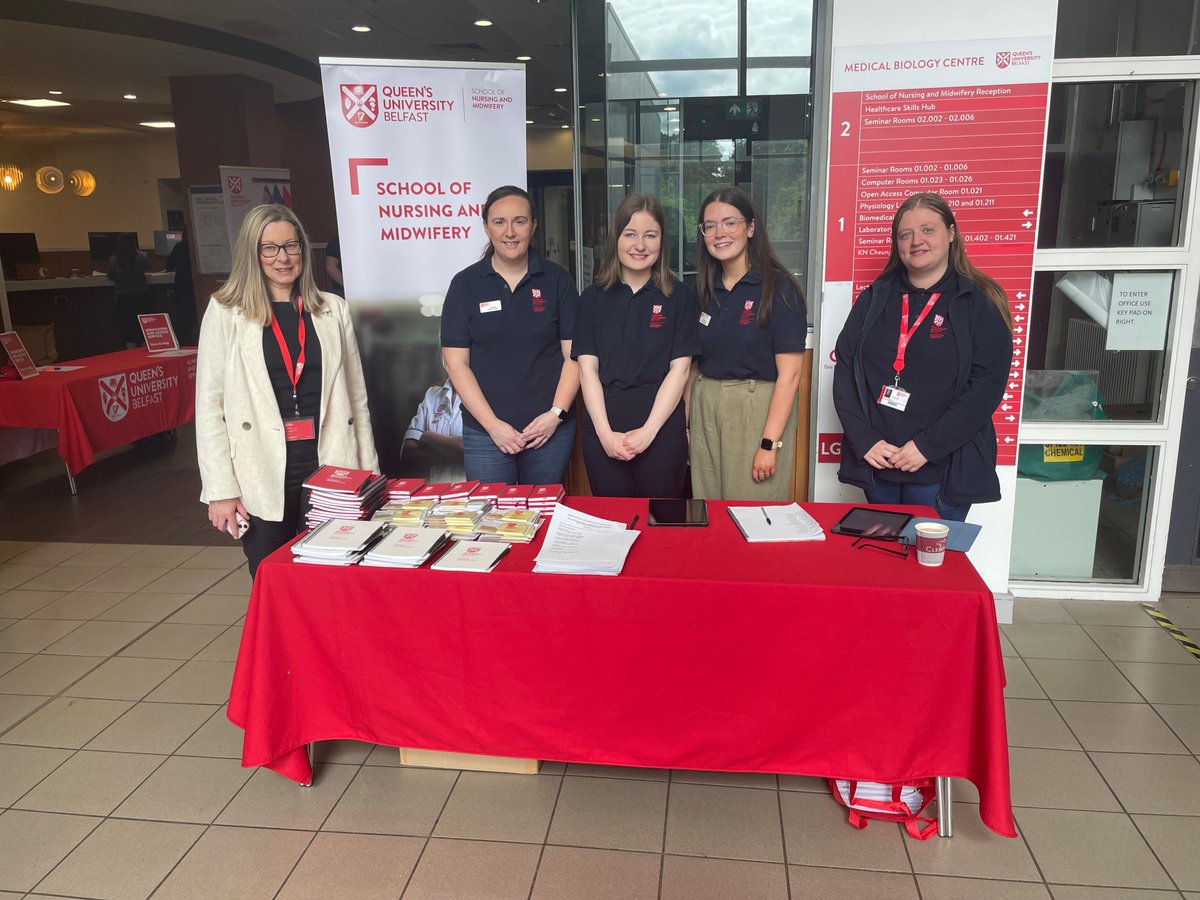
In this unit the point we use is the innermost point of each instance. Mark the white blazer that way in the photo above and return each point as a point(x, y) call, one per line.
point(239, 432)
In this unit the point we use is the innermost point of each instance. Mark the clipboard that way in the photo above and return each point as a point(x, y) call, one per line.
point(867, 521)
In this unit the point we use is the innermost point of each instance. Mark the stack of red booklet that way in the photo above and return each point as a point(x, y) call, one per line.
point(431, 491)
point(489, 490)
point(400, 490)
point(545, 497)
point(459, 490)
point(515, 496)
point(336, 493)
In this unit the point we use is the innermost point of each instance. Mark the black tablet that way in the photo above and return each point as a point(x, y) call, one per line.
point(682, 513)
point(865, 521)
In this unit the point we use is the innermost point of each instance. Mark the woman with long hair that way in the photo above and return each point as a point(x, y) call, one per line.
point(635, 336)
point(507, 323)
point(921, 366)
point(279, 386)
point(753, 328)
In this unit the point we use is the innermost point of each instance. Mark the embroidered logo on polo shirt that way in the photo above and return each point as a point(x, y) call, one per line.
point(747, 313)
point(539, 305)
point(938, 329)
point(656, 316)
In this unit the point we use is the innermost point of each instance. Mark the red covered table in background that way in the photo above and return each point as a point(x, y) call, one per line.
point(705, 653)
point(110, 400)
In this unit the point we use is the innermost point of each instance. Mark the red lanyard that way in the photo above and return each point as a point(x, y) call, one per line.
point(293, 372)
point(906, 332)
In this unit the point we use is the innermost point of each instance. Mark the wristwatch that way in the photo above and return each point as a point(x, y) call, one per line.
point(557, 412)
point(768, 444)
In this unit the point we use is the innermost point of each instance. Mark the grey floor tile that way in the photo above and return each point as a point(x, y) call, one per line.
point(186, 789)
point(1120, 727)
point(382, 800)
point(9, 549)
point(24, 767)
point(1184, 721)
point(143, 607)
point(12, 575)
point(123, 578)
point(735, 823)
point(162, 557)
point(246, 863)
point(225, 647)
point(1079, 892)
point(1157, 682)
point(349, 752)
point(90, 783)
point(973, 852)
point(18, 604)
point(1048, 641)
point(104, 555)
point(186, 581)
point(66, 722)
point(237, 582)
point(211, 609)
point(81, 605)
point(1090, 848)
point(15, 707)
point(64, 578)
point(804, 783)
point(45, 674)
point(1174, 840)
point(122, 858)
point(98, 638)
point(390, 756)
point(1027, 610)
point(1019, 681)
point(610, 813)
point(152, 728)
point(694, 878)
point(35, 635)
point(123, 678)
point(227, 558)
point(817, 834)
point(33, 843)
point(48, 554)
point(1150, 783)
point(1058, 779)
point(167, 641)
point(729, 779)
point(1036, 723)
point(935, 887)
point(1106, 612)
point(1138, 644)
point(618, 772)
point(196, 681)
point(493, 806)
point(584, 874)
point(810, 881)
point(9, 661)
point(363, 866)
point(1182, 610)
point(268, 800)
point(216, 737)
point(473, 870)
point(1078, 679)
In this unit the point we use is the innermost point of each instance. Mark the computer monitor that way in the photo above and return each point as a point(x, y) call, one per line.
point(165, 241)
point(102, 245)
point(18, 247)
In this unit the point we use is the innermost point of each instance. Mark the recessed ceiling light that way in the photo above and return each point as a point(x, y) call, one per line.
point(595, 120)
point(529, 121)
point(524, 58)
point(361, 29)
point(560, 90)
point(564, 126)
point(55, 93)
point(38, 102)
point(670, 108)
point(163, 124)
point(130, 96)
point(484, 23)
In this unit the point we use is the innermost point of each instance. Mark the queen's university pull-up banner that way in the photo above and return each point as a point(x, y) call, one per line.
point(415, 149)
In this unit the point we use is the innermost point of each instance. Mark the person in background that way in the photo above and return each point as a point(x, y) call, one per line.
point(279, 386)
point(921, 366)
point(635, 335)
point(507, 323)
point(179, 261)
point(753, 328)
point(127, 271)
point(333, 265)
point(433, 444)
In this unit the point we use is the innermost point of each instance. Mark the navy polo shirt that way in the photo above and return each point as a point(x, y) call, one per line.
point(515, 351)
point(733, 347)
point(636, 336)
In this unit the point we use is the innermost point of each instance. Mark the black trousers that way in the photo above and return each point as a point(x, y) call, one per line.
point(264, 537)
point(659, 471)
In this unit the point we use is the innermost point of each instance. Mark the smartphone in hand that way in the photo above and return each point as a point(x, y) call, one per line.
point(242, 527)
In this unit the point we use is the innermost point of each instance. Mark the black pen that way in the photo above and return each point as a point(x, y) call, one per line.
point(765, 516)
point(635, 521)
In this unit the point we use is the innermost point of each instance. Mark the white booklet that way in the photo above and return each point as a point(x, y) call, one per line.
point(337, 538)
point(471, 556)
point(405, 547)
point(579, 544)
point(767, 524)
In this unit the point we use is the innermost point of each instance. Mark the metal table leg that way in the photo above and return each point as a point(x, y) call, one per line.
point(945, 802)
point(71, 481)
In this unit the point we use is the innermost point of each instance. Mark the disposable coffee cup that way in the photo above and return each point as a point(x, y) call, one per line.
point(931, 543)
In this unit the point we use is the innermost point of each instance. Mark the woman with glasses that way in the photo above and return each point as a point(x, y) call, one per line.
point(921, 366)
point(507, 323)
point(753, 327)
point(634, 339)
point(279, 386)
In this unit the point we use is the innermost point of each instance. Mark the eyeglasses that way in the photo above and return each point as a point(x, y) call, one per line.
point(726, 225)
point(876, 543)
point(270, 251)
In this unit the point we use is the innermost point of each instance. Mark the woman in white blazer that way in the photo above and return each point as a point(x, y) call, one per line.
point(279, 386)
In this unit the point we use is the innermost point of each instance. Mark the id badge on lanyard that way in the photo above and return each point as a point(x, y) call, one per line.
point(892, 395)
point(295, 428)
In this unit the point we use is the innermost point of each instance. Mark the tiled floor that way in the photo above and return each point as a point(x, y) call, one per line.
point(119, 773)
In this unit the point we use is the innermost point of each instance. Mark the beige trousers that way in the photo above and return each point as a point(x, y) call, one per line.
point(727, 419)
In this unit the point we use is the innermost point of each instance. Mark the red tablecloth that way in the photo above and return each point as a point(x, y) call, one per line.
point(706, 653)
point(111, 400)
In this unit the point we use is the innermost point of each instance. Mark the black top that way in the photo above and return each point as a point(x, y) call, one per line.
point(930, 362)
point(514, 336)
point(333, 250)
point(309, 388)
point(732, 346)
point(636, 336)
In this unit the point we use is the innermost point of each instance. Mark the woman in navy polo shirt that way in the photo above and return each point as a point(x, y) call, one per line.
point(506, 341)
point(916, 400)
point(634, 339)
point(753, 327)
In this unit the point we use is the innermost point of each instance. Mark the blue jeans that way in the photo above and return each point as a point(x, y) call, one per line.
point(907, 494)
point(485, 462)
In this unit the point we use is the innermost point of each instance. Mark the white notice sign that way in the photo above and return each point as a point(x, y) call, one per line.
point(1138, 313)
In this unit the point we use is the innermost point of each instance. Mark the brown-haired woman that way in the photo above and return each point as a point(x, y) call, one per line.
point(753, 328)
point(921, 366)
point(635, 335)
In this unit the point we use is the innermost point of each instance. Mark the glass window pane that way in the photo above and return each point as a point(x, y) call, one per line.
point(1089, 28)
point(644, 85)
point(1114, 164)
point(1096, 346)
point(1095, 496)
point(643, 30)
point(779, 27)
point(768, 81)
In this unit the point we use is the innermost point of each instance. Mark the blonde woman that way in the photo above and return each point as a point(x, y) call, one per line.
point(279, 386)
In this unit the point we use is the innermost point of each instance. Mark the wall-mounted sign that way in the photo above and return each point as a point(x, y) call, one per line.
point(1138, 313)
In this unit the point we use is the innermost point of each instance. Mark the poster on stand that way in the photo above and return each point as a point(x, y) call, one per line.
point(244, 188)
point(965, 119)
point(415, 149)
point(209, 235)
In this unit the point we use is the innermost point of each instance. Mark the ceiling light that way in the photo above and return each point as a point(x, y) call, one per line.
point(529, 121)
point(484, 23)
point(163, 124)
point(564, 126)
point(560, 90)
point(670, 108)
point(595, 120)
point(55, 93)
point(10, 177)
point(524, 58)
point(82, 182)
point(130, 96)
point(38, 103)
point(361, 29)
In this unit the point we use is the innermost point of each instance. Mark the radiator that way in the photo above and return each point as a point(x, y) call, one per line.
point(1123, 373)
